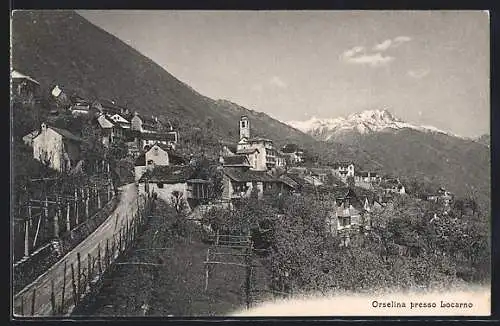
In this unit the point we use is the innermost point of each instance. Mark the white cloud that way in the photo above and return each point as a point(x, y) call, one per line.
point(373, 60)
point(401, 39)
point(355, 50)
point(418, 73)
point(383, 46)
point(278, 82)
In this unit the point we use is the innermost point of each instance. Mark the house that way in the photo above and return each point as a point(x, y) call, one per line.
point(58, 148)
point(80, 108)
point(149, 131)
point(293, 154)
point(252, 155)
point(281, 159)
point(149, 138)
point(350, 214)
point(265, 156)
point(392, 185)
point(158, 155)
point(344, 169)
point(227, 148)
point(313, 180)
point(288, 184)
point(198, 191)
point(365, 179)
point(24, 87)
point(119, 120)
point(169, 183)
point(442, 196)
point(298, 170)
point(321, 173)
point(28, 139)
point(148, 125)
point(239, 183)
point(236, 161)
point(110, 107)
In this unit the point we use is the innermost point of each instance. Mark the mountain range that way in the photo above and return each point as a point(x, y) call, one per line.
point(62, 48)
point(366, 122)
point(461, 164)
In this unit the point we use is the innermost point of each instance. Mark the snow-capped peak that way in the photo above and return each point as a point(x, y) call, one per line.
point(362, 122)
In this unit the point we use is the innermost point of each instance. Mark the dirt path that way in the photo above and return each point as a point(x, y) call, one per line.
point(123, 213)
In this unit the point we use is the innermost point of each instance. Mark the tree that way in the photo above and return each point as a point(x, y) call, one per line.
point(91, 147)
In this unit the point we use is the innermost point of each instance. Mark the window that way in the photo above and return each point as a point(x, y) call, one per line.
point(345, 221)
point(242, 124)
point(160, 185)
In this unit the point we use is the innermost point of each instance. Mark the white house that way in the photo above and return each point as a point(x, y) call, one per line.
point(344, 169)
point(169, 183)
point(158, 155)
point(58, 148)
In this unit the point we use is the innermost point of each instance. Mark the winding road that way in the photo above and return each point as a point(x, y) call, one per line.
point(42, 286)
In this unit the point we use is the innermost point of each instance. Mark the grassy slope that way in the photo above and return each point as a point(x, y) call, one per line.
point(176, 288)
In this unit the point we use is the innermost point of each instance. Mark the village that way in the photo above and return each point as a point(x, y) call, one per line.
point(221, 164)
point(248, 165)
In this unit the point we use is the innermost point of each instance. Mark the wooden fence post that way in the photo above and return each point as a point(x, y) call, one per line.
point(98, 198)
point(87, 197)
point(120, 239)
point(107, 253)
point(207, 266)
point(75, 294)
point(30, 213)
point(76, 208)
point(63, 288)
point(99, 264)
point(56, 218)
point(33, 302)
point(89, 270)
point(46, 207)
point(26, 239)
point(68, 220)
point(127, 235)
point(79, 269)
point(52, 297)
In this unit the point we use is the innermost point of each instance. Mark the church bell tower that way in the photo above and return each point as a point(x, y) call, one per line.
point(244, 128)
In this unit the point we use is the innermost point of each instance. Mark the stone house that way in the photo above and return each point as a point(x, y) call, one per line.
point(158, 155)
point(166, 182)
point(344, 169)
point(24, 87)
point(58, 148)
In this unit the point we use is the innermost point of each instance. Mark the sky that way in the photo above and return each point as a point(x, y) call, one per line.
point(425, 67)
